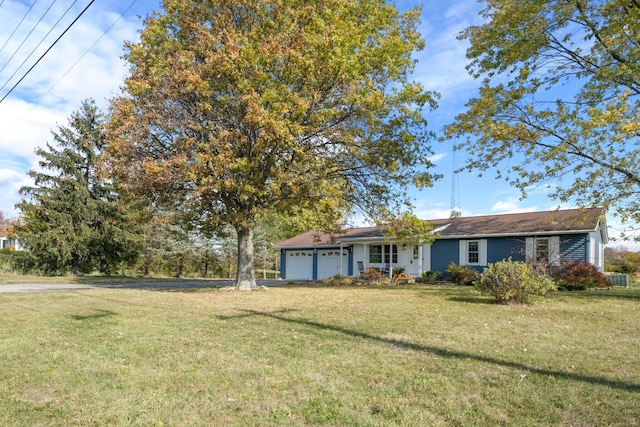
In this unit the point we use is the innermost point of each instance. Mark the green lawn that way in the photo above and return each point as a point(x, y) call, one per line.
point(405, 355)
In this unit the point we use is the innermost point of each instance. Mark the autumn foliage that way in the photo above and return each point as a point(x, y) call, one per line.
point(573, 276)
point(236, 107)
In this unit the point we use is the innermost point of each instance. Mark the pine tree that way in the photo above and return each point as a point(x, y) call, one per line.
point(73, 219)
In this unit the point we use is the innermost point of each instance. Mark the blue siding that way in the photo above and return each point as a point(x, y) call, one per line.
point(503, 248)
point(283, 264)
point(446, 251)
point(573, 248)
point(442, 253)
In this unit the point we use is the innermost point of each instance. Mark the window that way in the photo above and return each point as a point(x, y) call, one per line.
point(542, 251)
point(375, 254)
point(394, 248)
point(379, 252)
point(473, 253)
point(416, 252)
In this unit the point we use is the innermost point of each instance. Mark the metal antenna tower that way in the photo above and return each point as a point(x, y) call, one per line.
point(455, 191)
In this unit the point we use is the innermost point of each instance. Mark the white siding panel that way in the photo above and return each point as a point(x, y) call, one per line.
point(554, 250)
point(530, 247)
point(463, 252)
point(482, 248)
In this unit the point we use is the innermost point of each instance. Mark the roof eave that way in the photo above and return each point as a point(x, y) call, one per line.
point(519, 234)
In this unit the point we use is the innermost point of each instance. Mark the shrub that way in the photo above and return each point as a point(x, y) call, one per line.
point(431, 276)
point(371, 273)
point(461, 274)
point(578, 276)
point(23, 263)
point(337, 280)
point(513, 282)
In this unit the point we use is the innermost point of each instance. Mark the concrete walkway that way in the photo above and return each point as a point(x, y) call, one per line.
point(39, 287)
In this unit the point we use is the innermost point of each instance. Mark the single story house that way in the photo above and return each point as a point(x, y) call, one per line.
point(536, 237)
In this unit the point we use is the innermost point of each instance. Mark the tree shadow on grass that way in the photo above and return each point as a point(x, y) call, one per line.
point(97, 314)
point(474, 300)
point(442, 352)
point(625, 294)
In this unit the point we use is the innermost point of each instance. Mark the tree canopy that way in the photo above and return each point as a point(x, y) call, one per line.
point(236, 107)
point(72, 219)
point(559, 103)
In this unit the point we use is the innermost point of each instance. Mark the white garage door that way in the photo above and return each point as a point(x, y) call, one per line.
point(299, 265)
point(329, 263)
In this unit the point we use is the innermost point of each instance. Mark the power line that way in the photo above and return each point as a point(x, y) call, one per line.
point(37, 46)
point(25, 39)
point(47, 51)
point(70, 68)
point(18, 26)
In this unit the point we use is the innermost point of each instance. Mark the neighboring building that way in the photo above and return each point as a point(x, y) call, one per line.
point(9, 242)
point(536, 237)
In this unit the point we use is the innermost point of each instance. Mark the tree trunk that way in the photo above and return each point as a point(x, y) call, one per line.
point(206, 264)
point(180, 267)
point(245, 280)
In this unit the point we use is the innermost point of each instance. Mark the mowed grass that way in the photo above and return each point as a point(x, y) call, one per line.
point(296, 355)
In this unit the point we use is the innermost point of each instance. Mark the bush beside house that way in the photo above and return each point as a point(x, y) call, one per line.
point(513, 282)
point(578, 276)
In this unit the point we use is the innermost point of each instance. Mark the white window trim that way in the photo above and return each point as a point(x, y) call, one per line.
point(482, 252)
point(554, 249)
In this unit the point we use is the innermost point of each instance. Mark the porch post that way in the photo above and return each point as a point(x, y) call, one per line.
point(366, 256)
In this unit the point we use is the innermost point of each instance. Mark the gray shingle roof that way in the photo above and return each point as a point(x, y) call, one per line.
point(528, 223)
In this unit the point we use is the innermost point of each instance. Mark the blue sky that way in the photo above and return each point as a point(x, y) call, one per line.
point(86, 62)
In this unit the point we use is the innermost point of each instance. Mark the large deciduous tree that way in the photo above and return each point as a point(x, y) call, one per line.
point(233, 107)
point(559, 103)
point(72, 219)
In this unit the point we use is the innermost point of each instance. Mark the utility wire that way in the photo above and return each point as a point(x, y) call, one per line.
point(18, 26)
point(70, 68)
point(47, 51)
point(37, 46)
point(23, 42)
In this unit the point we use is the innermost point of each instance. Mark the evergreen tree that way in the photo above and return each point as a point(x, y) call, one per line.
point(73, 219)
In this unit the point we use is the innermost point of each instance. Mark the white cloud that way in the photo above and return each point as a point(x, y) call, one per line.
point(437, 157)
point(511, 205)
point(85, 63)
point(443, 62)
point(10, 184)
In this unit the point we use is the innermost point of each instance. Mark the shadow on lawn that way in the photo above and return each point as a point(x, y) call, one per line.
point(615, 293)
point(278, 315)
point(96, 315)
point(474, 300)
